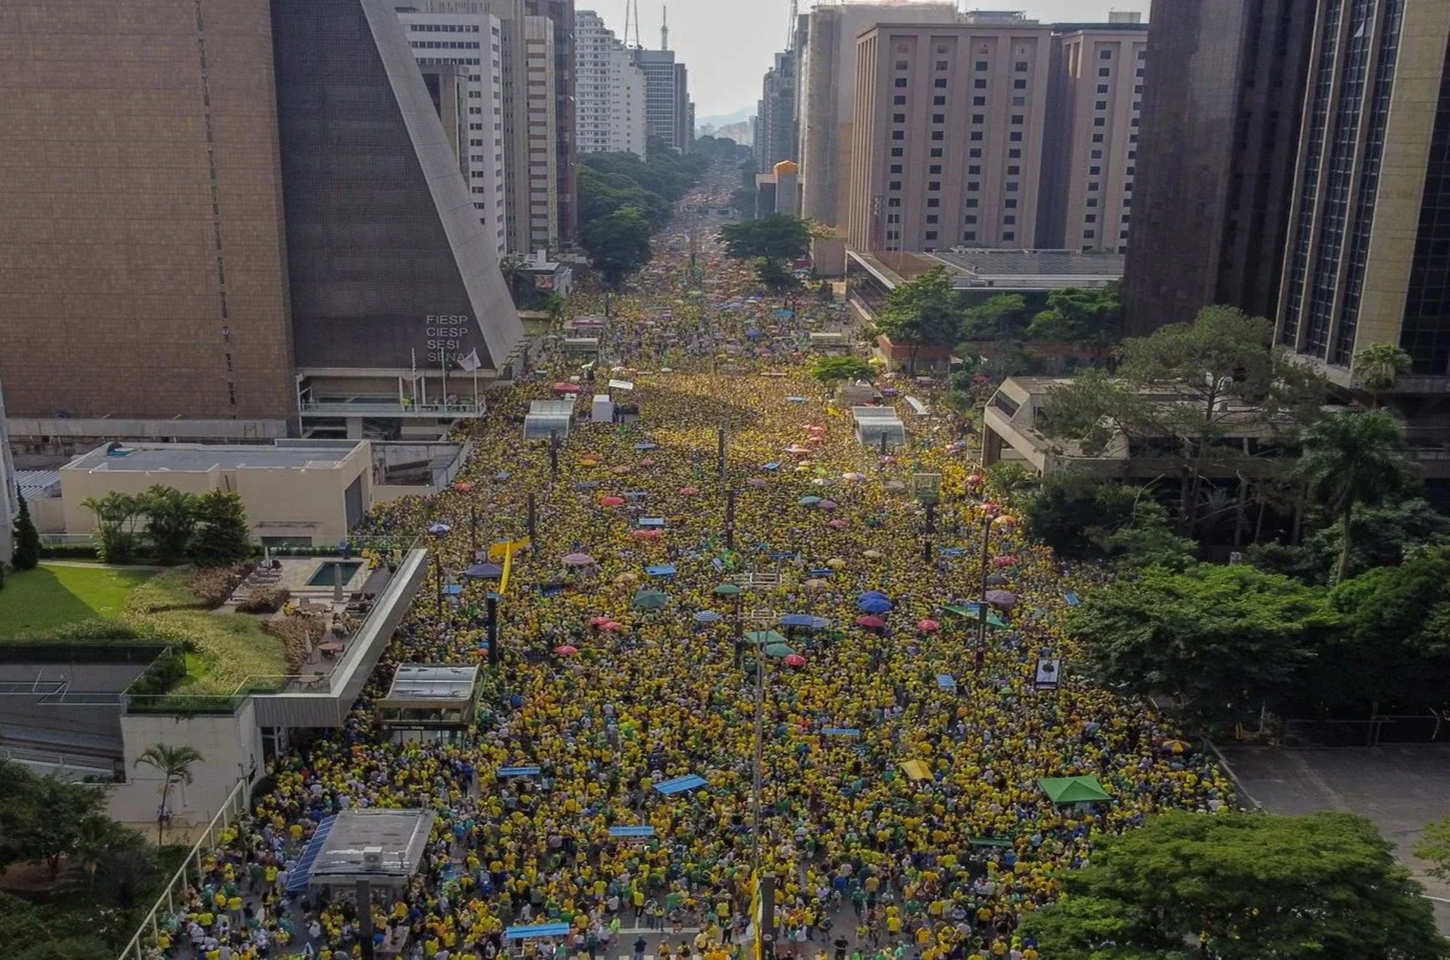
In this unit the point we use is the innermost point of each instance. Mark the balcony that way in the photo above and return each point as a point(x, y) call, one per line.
point(378, 407)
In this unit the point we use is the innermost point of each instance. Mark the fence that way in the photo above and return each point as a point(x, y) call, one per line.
point(232, 809)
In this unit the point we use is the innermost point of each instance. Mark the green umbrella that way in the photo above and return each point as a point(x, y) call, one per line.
point(992, 619)
point(808, 501)
point(778, 650)
point(726, 590)
point(764, 637)
point(650, 600)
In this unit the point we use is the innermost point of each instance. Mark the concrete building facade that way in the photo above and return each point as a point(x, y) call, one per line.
point(610, 91)
point(9, 492)
point(469, 46)
point(561, 15)
point(825, 104)
point(921, 177)
point(1222, 98)
point(1093, 121)
point(669, 113)
point(776, 137)
point(542, 134)
point(1365, 260)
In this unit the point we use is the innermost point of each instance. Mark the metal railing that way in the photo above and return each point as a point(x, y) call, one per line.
point(232, 809)
point(226, 703)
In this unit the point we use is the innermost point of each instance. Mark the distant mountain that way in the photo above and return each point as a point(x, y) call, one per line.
point(744, 113)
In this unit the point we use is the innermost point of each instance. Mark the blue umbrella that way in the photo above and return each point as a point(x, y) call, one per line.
point(438, 529)
point(707, 616)
point(875, 606)
point(804, 621)
point(873, 595)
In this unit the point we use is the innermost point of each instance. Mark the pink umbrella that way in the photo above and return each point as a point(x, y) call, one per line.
point(1006, 560)
point(646, 462)
point(815, 429)
point(838, 524)
point(797, 449)
point(755, 482)
point(928, 626)
point(974, 479)
point(566, 650)
point(828, 504)
point(612, 627)
point(599, 621)
point(578, 559)
point(612, 502)
point(463, 486)
point(871, 623)
point(566, 388)
point(794, 660)
point(689, 491)
point(646, 534)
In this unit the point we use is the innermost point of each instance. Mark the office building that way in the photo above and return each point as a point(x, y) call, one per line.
point(669, 114)
point(560, 14)
point(825, 104)
point(779, 191)
point(461, 58)
point(610, 90)
point(542, 134)
point(278, 209)
point(775, 123)
point(1222, 95)
point(947, 140)
point(1366, 260)
point(9, 492)
point(1091, 141)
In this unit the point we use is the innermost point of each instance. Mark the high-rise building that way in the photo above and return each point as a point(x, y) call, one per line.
point(566, 121)
point(1095, 93)
point(825, 105)
point(542, 134)
point(948, 133)
point(1222, 96)
point(669, 114)
point(610, 90)
point(1366, 256)
point(9, 492)
point(464, 49)
point(276, 218)
point(775, 124)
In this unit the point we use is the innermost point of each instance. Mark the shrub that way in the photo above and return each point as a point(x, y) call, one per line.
point(296, 633)
point(27, 541)
point(213, 585)
point(266, 600)
point(96, 628)
point(163, 674)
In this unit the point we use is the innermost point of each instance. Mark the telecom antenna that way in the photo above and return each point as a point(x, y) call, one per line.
point(795, 12)
point(664, 28)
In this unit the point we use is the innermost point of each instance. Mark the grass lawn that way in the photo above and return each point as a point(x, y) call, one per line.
point(34, 602)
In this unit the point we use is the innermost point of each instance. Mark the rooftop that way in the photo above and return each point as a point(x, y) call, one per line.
point(376, 844)
point(432, 681)
point(989, 264)
point(201, 457)
point(38, 484)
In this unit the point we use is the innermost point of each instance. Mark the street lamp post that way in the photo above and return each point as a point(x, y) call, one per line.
point(989, 514)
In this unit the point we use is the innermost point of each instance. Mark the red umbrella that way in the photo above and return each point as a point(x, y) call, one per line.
point(463, 486)
point(871, 623)
point(646, 534)
point(689, 491)
point(928, 626)
point(566, 650)
point(612, 502)
point(646, 462)
point(838, 524)
point(598, 621)
point(794, 660)
point(612, 626)
point(566, 388)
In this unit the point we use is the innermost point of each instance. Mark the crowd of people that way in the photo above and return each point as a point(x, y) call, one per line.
point(611, 690)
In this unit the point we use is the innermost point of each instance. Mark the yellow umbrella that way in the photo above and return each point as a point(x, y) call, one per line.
point(872, 554)
point(836, 563)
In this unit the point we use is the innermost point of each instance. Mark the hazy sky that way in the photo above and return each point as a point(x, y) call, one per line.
point(728, 44)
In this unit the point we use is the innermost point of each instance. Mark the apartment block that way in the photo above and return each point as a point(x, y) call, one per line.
point(1222, 99)
point(1095, 94)
point(669, 113)
point(466, 49)
point(775, 120)
point(1365, 260)
point(542, 134)
point(610, 90)
point(566, 148)
point(825, 103)
point(948, 135)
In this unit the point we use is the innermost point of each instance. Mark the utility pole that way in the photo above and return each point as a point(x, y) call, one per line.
point(730, 518)
point(720, 450)
point(533, 519)
point(493, 651)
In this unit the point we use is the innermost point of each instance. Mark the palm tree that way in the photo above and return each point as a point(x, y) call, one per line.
point(174, 764)
point(96, 836)
point(1378, 366)
point(1352, 459)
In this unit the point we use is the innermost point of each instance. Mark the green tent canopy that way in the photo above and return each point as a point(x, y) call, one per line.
point(992, 619)
point(1073, 789)
point(764, 637)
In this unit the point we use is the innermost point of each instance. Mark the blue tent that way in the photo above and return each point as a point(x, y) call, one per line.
point(681, 784)
point(820, 572)
point(632, 831)
point(841, 732)
point(804, 621)
point(651, 521)
point(663, 570)
point(1071, 599)
point(537, 930)
point(518, 771)
point(484, 571)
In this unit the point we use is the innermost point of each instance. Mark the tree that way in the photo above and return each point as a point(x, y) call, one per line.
point(617, 245)
point(1092, 318)
point(116, 517)
point(170, 521)
point(1192, 384)
point(27, 540)
point(1010, 479)
point(1434, 846)
point(1241, 887)
point(222, 534)
point(1378, 366)
point(96, 837)
point(924, 311)
point(1352, 459)
point(1003, 317)
point(56, 811)
point(174, 765)
point(830, 370)
point(1393, 645)
point(1223, 642)
point(771, 242)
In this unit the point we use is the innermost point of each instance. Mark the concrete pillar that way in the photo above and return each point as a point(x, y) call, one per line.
point(354, 428)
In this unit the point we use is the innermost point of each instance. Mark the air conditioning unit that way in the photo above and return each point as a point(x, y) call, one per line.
point(373, 857)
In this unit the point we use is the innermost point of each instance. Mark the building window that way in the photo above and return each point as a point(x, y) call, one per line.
point(898, 134)
point(940, 83)
point(938, 135)
point(1010, 220)
point(1105, 71)
point(938, 118)
point(979, 101)
point(1019, 84)
point(969, 235)
point(932, 218)
point(899, 100)
point(976, 135)
point(894, 202)
point(979, 84)
point(1093, 185)
point(979, 118)
point(1092, 201)
point(971, 203)
point(898, 151)
point(1097, 138)
point(1010, 204)
point(1015, 136)
point(974, 170)
point(1100, 121)
point(975, 153)
point(1014, 154)
point(973, 186)
point(933, 203)
point(931, 234)
point(981, 66)
point(1013, 170)
point(896, 168)
point(900, 82)
point(934, 185)
point(901, 64)
point(1100, 105)
point(898, 118)
point(1102, 88)
point(941, 64)
point(1105, 54)
point(938, 101)
point(934, 168)
point(1090, 218)
point(936, 151)
point(970, 219)
point(1017, 118)
point(1093, 171)
point(1011, 186)
point(1009, 235)
point(1020, 66)
point(894, 185)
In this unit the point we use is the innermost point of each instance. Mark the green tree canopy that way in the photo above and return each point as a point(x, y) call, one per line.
point(1251, 886)
point(26, 555)
point(830, 370)
point(1003, 317)
point(1223, 641)
point(222, 534)
point(778, 237)
point(1086, 317)
point(170, 521)
point(1378, 366)
point(924, 311)
point(617, 245)
point(1353, 459)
